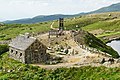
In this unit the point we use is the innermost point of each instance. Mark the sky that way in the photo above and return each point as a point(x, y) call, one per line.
point(18, 9)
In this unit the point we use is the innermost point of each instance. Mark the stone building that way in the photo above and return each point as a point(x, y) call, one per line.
point(28, 50)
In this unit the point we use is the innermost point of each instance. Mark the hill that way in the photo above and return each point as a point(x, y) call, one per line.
point(90, 40)
point(105, 29)
point(101, 25)
point(9, 31)
point(111, 8)
point(42, 18)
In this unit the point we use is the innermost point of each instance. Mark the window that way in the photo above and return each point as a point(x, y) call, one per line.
point(11, 51)
point(20, 54)
point(36, 44)
point(36, 50)
point(40, 46)
point(16, 52)
point(41, 53)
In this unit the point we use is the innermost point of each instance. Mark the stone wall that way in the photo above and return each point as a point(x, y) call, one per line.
point(17, 54)
point(36, 53)
point(93, 50)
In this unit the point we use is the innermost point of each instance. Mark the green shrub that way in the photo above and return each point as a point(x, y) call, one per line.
point(3, 49)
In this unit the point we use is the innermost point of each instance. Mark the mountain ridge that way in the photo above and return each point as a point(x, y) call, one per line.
point(111, 8)
point(38, 19)
point(43, 18)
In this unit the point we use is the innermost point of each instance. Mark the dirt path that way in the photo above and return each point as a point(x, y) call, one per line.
point(76, 64)
point(51, 26)
point(78, 61)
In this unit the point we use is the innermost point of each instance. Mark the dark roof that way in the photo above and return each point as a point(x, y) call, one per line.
point(22, 42)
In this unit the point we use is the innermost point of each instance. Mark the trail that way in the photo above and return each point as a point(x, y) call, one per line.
point(51, 26)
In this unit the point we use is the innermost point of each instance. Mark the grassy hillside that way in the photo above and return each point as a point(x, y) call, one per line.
point(71, 23)
point(3, 48)
point(90, 40)
point(88, 22)
point(9, 31)
point(12, 70)
point(111, 27)
point(83, 21)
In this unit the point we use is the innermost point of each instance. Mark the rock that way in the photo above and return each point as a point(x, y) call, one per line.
point(103, 61)
point(66, 51)
point(118, 61)
point(76, 52)
point(49, 48)
point(20, 69)
point(9, 71)
point(107, 64)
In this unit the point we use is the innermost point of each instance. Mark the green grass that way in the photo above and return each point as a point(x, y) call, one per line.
point(109, 34)
point(81, 22)
point(3, 48)
point(109, 27)
point(12, 30)
point(28, 72)
point(112, 25)
point(100, 45)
